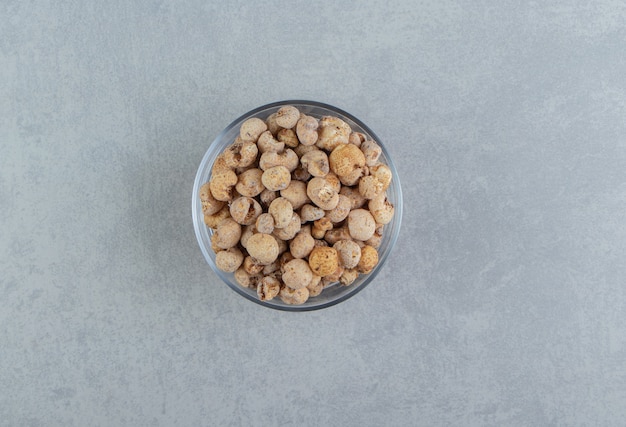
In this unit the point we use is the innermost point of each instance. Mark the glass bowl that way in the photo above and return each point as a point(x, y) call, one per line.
point(332, 294)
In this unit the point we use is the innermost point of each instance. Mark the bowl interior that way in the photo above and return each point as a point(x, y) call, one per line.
point(332, 294)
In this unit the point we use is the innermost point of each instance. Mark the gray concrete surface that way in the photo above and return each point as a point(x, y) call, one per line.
point(504, 303)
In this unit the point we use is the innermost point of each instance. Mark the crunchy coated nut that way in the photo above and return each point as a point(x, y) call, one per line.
point(311, 213)
point(297, 274)
point(349, 276)
point(229, 260)
point(268, 288)
point(383, 174)
point(271, 268)
point(210, 204)
point(306, 130)
point(345, 159)
point(301, 174)
point(302, 245)
point(267, 197)
point(315, 286)
point(353, 177)
point(381, 209)
point(323, 260)
point(245, 210)
point(320, 227)
point(246, 233)
point(316, 162)
point(333, 180)
point(369, 259)
point(332, 132)
point(335, 275)
point(276, 178)
point(284, 259)
point(337, 234)
point(263, 248)
point(288, 137)
point(249, 183)
point(240, 154)
point(221, 185)
point(296, 193)
point(282, 212)
point(251, 129)
point(349, 253)
point(289, 232)
point(322, 193)
point(372, 152)
point(212, 221)
point(251, 266)
point(341, 211)
point(355, 196)
point(301, 149)
point(272, 126)
point(267, 143)
point(370, 187)
point(227, 234)
point(287, 116)
point(361, 224)
point(293, 296)
point(219, 165)
point(245, 279)
point(375, 240)
point(265, 223)
point(287, 158)
point(356, 138)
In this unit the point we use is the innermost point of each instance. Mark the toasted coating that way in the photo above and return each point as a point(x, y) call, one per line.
point(250, 183)
point(276, 178)
point(212, 221)
point(323, 260)
point(349, 253)
point(282, 212)
point(290, 231)
point(265, 223)
point(293, 296)
point(210, 204)
point(345, 159)
point(370, 187)
point(302, 244)
point(369, 259)
point(311, 213)
point(227, 234)
point(288, 137)
point(361, 224)
point(245, 210)
point(268, 288)
point(306, 130)
point(372, 152)
point(296, 193)
point(322, 193)
point(332, 132)
point(297, 274)
point(251, 129)
point(341, 211)
point(222, 184)
point(268, 144)
point(287, 158)
point(316, 162)
point(229, 260)
point(381, 209)
point(287, 116)
point(263, 248)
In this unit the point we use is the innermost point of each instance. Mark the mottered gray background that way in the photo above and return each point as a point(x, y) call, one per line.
point(504, 301)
